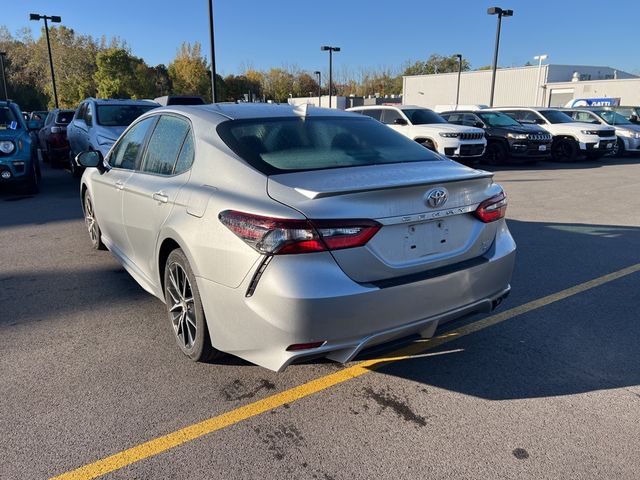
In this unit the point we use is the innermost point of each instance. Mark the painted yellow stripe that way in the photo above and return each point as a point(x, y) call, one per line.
point(197, 430)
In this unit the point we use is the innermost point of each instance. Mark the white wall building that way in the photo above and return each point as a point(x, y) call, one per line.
point(551, 85)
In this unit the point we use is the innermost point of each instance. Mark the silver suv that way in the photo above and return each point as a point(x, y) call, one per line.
point(98, 123)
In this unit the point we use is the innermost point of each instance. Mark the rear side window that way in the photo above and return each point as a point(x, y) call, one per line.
point(187, 154)
point(376, 114)
point(279, 145)
point(164, 145)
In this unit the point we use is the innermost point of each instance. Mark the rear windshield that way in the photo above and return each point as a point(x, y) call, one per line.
point(120, 115)
point(279, 145)
point(64, 117)
point(7, 119)
point(419, 116)
point(554, 116)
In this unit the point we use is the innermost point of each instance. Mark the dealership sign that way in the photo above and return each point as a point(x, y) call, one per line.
point(594, 102)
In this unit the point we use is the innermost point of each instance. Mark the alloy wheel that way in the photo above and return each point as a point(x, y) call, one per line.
point(90, 221)
point(181, 306)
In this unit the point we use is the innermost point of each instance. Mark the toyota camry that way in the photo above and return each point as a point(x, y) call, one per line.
point(278, 233)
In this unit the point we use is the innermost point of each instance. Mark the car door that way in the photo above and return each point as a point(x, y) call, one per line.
point(77, 128)
point(108, 188)
point(150, 193)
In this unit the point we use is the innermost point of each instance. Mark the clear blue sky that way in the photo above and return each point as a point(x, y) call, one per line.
point(263, 34)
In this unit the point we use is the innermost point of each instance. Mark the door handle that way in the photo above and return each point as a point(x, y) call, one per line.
point(119, 185)
point(160, 197)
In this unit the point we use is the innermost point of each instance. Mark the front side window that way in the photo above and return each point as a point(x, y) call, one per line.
point(164, 145)
point(8, 119)
point(455, 118)
point(126, 151)
point(391, 117)
point(88, 115)
point(279, 145)
point(81, 112)
point(120, 115)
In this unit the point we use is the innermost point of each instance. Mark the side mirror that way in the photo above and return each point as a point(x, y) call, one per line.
point(91, 159)
point(400, 121)
point(633, 118)
point(34, 125)
point(539, 121)
point(479, 124)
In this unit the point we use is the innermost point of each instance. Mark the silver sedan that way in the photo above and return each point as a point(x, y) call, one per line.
point(279, 233)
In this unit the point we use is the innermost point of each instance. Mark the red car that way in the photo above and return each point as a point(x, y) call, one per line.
point(52, 137)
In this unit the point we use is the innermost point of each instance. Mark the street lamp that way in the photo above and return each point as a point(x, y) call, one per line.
point(540, 58)
point(213, 54)
point(4, 81)
point(501, 13)
point(325, 48)
point(459, 73)
point(317, 72)
point(54, 19)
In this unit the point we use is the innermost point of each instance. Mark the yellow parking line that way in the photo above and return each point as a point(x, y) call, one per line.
point(161, 444)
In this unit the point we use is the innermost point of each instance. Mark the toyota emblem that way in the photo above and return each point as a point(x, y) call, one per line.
point(436, 197)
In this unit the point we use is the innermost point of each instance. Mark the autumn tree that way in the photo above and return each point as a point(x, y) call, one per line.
point(189, 73)
point(436, 64)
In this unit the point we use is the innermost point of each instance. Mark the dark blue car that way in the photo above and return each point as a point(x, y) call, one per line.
point(18, 155)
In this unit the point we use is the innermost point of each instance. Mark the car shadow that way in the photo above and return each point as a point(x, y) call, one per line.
point(514, 164)
point(57, 201)
point(584, 343)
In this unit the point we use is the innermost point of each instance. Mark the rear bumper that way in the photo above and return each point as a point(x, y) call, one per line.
point(310, 299)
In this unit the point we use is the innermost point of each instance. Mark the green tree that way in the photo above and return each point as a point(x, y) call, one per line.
point(189, 73)
point(436, 64)
point(277, 85)
point(237, 86)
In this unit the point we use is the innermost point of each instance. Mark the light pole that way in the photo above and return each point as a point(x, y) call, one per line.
point(54, 19)
point(540, 58)
point(325, 48)
point(501, 13)
point(4, 81)
point(459, 73)
point(213, 54)
point(317, 72)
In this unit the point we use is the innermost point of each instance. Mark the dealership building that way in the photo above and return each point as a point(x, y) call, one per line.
point(547, 85)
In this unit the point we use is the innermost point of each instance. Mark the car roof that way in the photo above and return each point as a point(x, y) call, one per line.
point(398, 106)
point(236, 111)
point(121, 101)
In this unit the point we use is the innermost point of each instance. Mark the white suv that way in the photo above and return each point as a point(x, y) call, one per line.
point(430, 129)
point(569, 137)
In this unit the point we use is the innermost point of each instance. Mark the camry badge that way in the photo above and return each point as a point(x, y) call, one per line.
point(436, 198)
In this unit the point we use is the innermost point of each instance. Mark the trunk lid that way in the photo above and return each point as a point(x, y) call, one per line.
point(415, 236)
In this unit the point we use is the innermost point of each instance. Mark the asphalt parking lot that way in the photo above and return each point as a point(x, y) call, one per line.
point(546, 387)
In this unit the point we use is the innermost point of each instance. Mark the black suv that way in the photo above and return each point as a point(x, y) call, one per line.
point(505, 136)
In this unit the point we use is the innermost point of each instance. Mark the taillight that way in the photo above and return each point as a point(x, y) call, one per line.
point(492, 209)
point(284, 236)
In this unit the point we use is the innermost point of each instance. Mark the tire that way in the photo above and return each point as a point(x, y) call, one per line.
point(33, 179)
point(184, 309)
point(496, 153)
point(95, 234)
point(618, 149)
point(564, 150)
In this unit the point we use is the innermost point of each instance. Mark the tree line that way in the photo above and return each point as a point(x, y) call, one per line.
point(90, 67)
